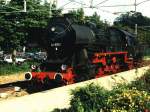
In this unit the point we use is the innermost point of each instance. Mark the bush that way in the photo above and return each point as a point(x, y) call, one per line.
point(89, 99)
point(129, 100)
point(134, 97)
point(142, 83)
point(7, 69)
point(95, 99)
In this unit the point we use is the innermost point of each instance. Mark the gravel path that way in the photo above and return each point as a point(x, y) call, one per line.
point(11, 78)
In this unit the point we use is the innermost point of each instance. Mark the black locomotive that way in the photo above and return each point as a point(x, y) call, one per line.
point(78, 52)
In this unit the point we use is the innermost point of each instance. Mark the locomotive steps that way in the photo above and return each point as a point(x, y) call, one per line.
point(60, 97)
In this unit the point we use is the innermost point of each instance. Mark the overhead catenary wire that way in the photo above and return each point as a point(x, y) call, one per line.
point(142, 2)
point(101, 2)
point(71, 1)
point(121, 5)
point(98, 7)
point(78, 2)
point(90, 8)
point(117, 5)
point(87, 6)
point(65, 5)
point(105, 11)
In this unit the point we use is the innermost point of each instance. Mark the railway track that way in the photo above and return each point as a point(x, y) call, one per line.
point(8, 91)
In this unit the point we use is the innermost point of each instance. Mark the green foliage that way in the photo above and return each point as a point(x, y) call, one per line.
point(82, 19)
point(78, 15)
point(128, 20)
point(13, 24)
point(7, 69)
point(89, 99)
point(95, 18)
point(142, 83)
point(134, 97)
point(55, 12)
point(132, 18)
point(129, 100)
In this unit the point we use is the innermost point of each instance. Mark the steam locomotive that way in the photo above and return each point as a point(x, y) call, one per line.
point(78, 52)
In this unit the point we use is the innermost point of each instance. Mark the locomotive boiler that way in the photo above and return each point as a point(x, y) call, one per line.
point(78, 52)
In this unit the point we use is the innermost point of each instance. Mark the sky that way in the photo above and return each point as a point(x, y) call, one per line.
point(106, 13)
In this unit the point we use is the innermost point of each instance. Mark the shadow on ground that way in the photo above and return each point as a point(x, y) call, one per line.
point(29, 86)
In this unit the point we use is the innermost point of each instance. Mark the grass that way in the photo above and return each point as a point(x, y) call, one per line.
point(146, 57)
point(8, 69)
point(146, 54)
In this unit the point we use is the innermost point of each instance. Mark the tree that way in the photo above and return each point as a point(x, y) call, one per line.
point(55, 12)
point(78, 15)
point(14, 23)
point(128, 20)
point(95, 18)
point(82, 19)
point(132, 18)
